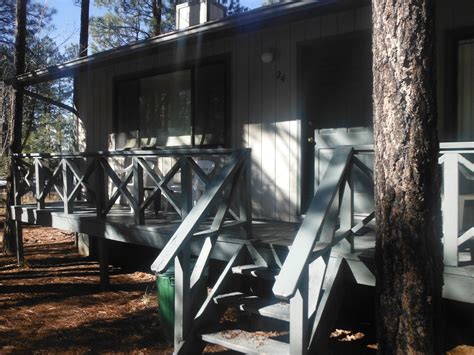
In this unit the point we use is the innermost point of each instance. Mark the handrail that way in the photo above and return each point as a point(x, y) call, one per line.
point(444, 147)
point(186, 229)
point(131, 153)
point(311, 230)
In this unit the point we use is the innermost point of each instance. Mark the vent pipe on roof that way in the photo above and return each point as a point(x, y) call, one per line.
point(196, 12)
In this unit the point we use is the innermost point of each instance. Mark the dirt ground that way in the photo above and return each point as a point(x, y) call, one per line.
point(53, 304)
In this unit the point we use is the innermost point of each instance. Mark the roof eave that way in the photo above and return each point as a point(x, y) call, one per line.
point(250, 18)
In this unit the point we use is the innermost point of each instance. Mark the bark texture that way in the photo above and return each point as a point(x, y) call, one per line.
point(9, 243)
point(157, 9)
point(408, 248)
point(84, 34)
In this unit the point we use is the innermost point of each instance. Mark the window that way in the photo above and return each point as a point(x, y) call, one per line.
point(177, 109)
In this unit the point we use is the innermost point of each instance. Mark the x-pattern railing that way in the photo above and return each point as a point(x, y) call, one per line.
point(329, 221)
point(458, 170)
point(139, 185)
point(219, 194)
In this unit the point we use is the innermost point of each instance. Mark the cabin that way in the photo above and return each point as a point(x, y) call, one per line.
point(248, 140)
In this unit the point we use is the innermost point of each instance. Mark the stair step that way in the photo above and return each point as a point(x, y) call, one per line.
point(247, 342)
point(262, 272)
point(268, 308)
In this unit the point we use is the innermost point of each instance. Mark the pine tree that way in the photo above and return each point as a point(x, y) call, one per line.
point(233, 7)
point(40, 51)
point(127, 21)
point(408, 248)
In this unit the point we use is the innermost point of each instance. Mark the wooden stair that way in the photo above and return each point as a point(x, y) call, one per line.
point(260, 310)
point(247, 342)
point(270, 308)
point(263, 324)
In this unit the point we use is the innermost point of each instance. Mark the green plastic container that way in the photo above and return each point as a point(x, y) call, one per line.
point(165, 293)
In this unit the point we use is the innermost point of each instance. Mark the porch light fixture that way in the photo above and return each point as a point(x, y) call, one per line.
point(267, 56)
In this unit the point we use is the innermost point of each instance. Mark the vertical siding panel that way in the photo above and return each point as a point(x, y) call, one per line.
point(297, 35)
point(268, 129)
point(363, 18)
point(346, 22)
point(466, 93)
point(282, 126)
point(82, 108)
point(99, 131)
point(470, 118)
point(329, 25)
point(223, 45)
point(207, 49)
point(255, 119)
point(94, 112)
point(240, 99)
point(313, 28)
point(109, 106)
point(443, 22)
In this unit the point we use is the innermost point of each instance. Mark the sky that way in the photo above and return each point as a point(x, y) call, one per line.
point(67, 18)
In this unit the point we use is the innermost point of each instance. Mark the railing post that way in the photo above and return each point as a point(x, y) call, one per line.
point(100, 188)
point(139, 192)
point(20, 255)
point(246, 194)
point(450, 207)
point(67, 188)
point(299, 316)
point(182, 299)
point(186, 188)
point(39, 181)
point(347, 213)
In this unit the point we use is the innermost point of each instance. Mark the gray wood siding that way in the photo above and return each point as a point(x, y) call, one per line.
point(264, 108)
point(454, 21)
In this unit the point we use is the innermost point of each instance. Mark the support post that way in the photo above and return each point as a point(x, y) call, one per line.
point(246, 194)
point(18, 225)
point(99, 188)
point(67, 188)
point(299, 316)
point(182, 299)
point(139, 213)
point(39, 177)
point(103, 263)
point(186, 188)
point(450, 208)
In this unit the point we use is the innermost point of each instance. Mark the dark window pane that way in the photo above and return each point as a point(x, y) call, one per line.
point(210, 105)
point(127, 114)
point(165, 109)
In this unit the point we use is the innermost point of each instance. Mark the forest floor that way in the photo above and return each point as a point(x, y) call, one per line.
point(53, 304)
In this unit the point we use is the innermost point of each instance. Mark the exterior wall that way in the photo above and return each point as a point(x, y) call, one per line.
point(264, 114)
point(454, 22)
point(264, 108)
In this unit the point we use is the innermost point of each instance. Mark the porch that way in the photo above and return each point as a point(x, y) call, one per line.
point(163, 208)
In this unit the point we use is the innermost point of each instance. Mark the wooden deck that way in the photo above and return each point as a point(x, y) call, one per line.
point(310, 263)
point(272, 239)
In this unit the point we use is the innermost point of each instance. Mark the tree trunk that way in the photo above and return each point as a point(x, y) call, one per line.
point(84, 34)
point(157, 10)
point(83, 50)
point(9, 243)
point(408, 249)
